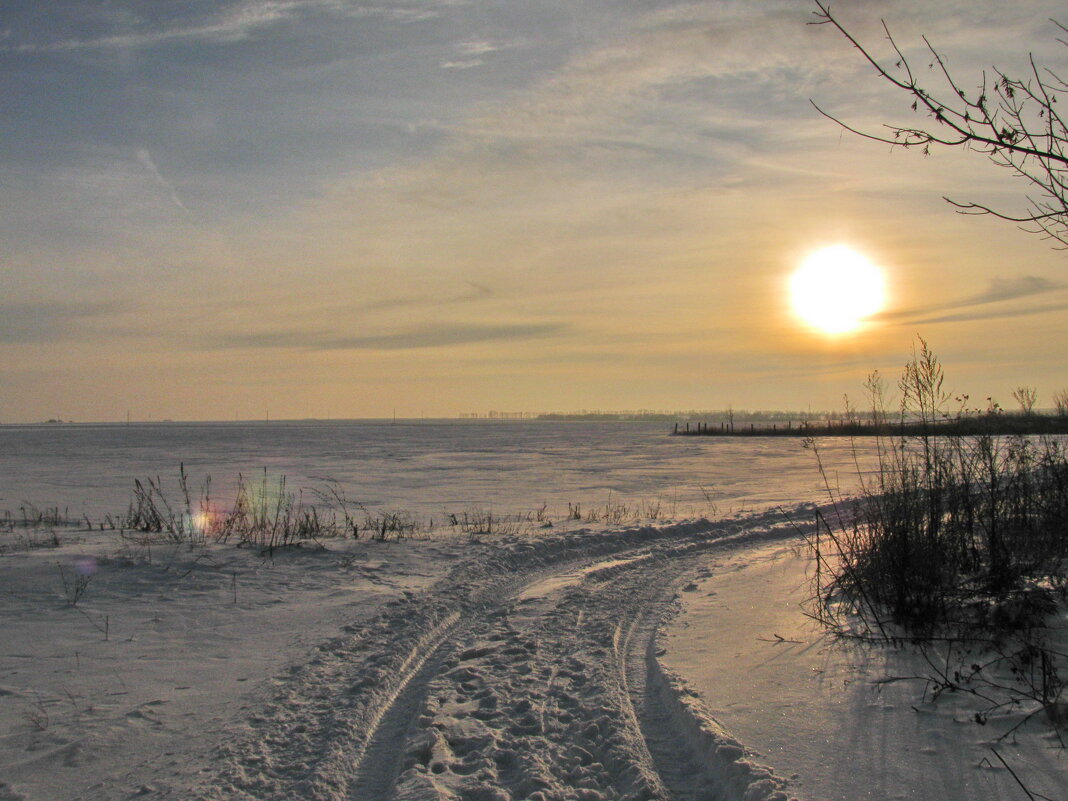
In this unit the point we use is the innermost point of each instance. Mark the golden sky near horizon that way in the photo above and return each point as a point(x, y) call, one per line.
point(331, 208)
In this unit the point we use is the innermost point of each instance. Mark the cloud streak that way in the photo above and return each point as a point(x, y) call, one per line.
point(229, 26)
point(438, 336)
point(145, 158)
point(40, 322)
point(471, 54)
point(234, 24)
point(1000, 290)
point(475, 292)
point(993, 314)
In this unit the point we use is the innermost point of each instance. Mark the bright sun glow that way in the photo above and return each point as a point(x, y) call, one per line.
point(835, 289)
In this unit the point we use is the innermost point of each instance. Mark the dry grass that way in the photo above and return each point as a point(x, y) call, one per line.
point(956, 541)
point(264, 514)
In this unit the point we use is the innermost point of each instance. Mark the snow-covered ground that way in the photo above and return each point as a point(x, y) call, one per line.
point(843, 720)
point(166, 645)
point(576, 662)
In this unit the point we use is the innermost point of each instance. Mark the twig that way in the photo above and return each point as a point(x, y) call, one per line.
point(1017, 778)
point(779, 639)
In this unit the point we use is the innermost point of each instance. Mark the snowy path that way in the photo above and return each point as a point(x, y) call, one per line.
point(530, 672)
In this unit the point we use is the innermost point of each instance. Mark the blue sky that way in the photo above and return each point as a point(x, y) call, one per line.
point(321, 206)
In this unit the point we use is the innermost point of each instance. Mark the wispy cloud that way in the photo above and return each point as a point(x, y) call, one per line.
point(474, 292)
point(145, 158)
point(54, 321)
point(398, 12)
point(992, 314)
point(437, 336)
point(233, 24)
point(977, 307)
point(230, 25)
point(461, 64)
point(1023, 286)
point(471, 54)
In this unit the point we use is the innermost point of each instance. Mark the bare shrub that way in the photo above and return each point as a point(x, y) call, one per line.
point(955, 541)
point(76, 580)
point(483, 522)
point(1025, 397)
point(1060, 402)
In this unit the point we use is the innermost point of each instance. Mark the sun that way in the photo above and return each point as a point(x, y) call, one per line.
point(835, 289)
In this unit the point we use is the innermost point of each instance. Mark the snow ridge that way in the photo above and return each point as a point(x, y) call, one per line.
point(725, 761)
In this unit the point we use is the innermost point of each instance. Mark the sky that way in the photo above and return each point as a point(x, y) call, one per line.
point(321, 208)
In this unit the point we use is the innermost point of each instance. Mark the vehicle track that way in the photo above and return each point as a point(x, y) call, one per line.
point(379, 764)
point(591, 715)
point(675, 760)
point(479, 692)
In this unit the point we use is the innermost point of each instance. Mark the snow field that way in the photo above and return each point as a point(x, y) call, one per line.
point(167, 645)
point(646, 664)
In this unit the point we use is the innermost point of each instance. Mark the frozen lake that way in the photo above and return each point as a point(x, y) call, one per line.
point(423, 466)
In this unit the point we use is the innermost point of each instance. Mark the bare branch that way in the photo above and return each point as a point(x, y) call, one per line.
point(1014, 122)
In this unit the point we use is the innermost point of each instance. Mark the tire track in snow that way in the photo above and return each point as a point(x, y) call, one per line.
point(378, 764)
point(668, 753)
point(566, 701)
point(470, 691)
point(677, 760)
point(695, 759)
